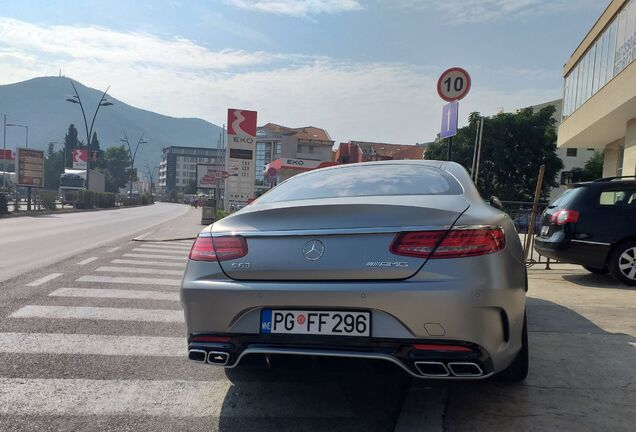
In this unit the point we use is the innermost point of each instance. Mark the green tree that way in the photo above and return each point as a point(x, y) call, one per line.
point(592, 170)
point(99, 164)
point(53, 167)
point(594, 167)
point(513, 148)
point(117, 165)
point(70, 142)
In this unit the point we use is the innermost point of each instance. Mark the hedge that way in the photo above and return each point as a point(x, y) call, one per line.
point(4, 208)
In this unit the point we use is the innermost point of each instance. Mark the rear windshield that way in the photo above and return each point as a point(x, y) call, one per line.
point(566, 198)
point(366, 180)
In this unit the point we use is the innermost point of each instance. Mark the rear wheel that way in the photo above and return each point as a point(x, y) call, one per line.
point(600, 271)
point(622, 263)
point(518, 369)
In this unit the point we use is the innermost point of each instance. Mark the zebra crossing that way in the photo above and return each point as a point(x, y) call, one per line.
point(109, 342)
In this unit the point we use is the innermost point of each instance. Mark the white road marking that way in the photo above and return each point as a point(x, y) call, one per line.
point(44, 279)
point(86, 261)
point(56, 343)
point(183, 253)
point(169, 257)
point(111, 250)
point(164, 246)
point(115, 293)
point(130, 280)
point(167, 398)
point(99, 313)
point(140, 271)
point(142, 236)
point(149, 263)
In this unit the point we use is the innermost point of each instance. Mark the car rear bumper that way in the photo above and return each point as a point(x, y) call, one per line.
point(592, 254)
point(421, 360)
point(485, 313)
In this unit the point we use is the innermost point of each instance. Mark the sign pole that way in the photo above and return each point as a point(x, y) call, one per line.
point(450, 147)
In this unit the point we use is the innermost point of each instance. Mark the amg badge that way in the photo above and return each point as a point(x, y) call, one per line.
point(387, 264)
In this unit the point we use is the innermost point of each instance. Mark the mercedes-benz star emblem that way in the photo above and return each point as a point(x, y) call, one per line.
point(313, 250)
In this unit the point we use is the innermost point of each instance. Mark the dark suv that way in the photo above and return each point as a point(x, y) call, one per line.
point(593, 224)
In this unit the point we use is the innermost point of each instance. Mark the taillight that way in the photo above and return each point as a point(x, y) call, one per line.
point(218, 248)
point(561, 217)
point(454, 244)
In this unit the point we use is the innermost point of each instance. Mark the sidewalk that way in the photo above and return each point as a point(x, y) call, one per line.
point(185, 227)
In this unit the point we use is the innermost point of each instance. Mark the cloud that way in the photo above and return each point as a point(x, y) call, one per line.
point(297, 8)
point(97, 43)
point(370, 101)
point(467, 11)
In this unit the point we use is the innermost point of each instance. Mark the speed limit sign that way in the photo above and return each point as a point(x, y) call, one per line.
point(453, 84)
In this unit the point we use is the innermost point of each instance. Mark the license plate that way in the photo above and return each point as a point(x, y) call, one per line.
point(545, 230)
point(337, 323)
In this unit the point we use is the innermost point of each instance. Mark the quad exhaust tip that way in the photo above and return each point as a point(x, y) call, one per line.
point(218, 358)
point(465, 369)
point(432, 369)
point(197, 355)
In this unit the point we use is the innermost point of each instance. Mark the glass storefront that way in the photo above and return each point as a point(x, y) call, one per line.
point(613, 51)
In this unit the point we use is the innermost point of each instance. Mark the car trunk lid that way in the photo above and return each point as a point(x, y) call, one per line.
point(334, 239)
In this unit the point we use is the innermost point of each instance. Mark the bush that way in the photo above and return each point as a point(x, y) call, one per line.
point(147, 199)
point(106, 200)
point(48, 199)
point(4, 208)
point(85, 199)
point(220, 214)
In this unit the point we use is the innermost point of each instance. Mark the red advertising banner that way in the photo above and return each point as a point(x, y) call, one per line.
point(30, 167)
point(80, 158)
point(241, 122)
point(6, 155)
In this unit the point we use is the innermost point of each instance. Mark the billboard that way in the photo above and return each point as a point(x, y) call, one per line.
point(30, 167)
point(240, 158)
point(6, 155)
point(208, 176)
point(80, 158)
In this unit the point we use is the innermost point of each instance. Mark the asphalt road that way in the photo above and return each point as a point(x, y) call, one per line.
point(31, 242)
point(96, 342)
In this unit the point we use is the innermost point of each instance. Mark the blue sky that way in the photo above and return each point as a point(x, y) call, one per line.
point(362, 69)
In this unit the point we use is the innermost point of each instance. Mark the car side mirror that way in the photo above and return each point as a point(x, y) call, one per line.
point(495, 202)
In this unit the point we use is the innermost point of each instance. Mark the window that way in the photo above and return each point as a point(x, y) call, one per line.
point(571, 152)
point(358, 181)
point(624, 197)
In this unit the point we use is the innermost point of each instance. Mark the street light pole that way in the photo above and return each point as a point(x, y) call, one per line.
point(89, 132)
point(132, 155)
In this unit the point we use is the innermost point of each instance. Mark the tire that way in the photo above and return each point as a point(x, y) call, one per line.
point(599, 271)
point(622, 263)
point(518, 369)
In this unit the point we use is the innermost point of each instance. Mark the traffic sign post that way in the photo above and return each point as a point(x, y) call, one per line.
point(30, 170)
point(452, 86)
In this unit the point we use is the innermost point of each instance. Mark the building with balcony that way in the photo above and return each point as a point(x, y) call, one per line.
point(178, 165)
point(599, 98)
point(285, 151)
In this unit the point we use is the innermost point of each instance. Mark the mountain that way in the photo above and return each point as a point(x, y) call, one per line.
point(40, 103)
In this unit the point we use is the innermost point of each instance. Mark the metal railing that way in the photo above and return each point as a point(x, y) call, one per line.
point(521, 214)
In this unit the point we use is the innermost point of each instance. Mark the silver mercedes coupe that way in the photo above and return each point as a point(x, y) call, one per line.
point(400, 261)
